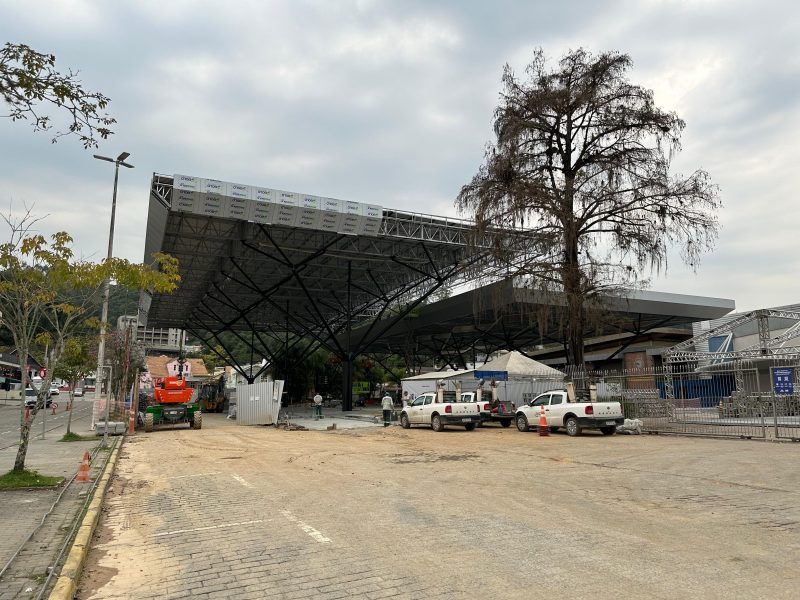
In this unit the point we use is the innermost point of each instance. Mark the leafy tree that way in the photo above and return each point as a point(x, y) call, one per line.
point(77, 362)
point(125, 355)
point(582, 159)
point(30, 83)
point(44, 295)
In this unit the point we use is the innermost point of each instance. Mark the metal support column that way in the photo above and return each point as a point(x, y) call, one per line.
point(347, 365)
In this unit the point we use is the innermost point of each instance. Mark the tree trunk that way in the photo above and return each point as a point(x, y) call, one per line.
point(572, 280)
point(24, 424)
point(71, 405)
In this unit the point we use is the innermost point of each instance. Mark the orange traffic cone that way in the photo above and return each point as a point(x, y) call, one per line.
point(53, 406)
point(83, 470)
point(543, 429)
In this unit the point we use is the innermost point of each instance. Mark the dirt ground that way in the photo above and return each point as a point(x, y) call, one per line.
point(240, 512)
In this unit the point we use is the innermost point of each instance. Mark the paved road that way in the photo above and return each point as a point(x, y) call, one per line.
point(241, 513)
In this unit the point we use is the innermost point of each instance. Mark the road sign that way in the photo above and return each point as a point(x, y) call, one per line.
point(42, 372)
point(783, 381)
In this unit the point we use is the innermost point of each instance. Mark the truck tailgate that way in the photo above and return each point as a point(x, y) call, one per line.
point(465, 408)
point(612, 410)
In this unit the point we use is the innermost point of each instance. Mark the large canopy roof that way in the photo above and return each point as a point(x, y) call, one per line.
point(265, 264)
point(508, 315)
point(273, 262)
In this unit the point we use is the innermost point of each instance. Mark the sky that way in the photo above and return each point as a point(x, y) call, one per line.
point(391, 102)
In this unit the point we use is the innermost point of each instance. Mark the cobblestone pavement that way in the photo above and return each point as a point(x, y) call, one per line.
point(241, 513)
point(23, 510)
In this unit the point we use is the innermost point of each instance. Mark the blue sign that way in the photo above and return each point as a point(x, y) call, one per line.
point(496, 375)
point(783, 381)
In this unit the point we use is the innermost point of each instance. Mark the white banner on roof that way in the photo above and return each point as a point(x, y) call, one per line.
point(267, 206)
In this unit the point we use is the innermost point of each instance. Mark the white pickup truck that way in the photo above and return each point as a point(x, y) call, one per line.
point(428, 409)
point(573, 416)
point(502, 411)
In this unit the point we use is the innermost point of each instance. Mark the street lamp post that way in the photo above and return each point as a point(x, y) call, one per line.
point(101, 349)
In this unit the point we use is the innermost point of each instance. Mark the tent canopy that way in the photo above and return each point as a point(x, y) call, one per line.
point(517, 364)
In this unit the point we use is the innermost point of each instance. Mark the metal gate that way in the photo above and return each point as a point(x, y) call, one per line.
point(259, 403)
point(723, 402)
point(786, 418)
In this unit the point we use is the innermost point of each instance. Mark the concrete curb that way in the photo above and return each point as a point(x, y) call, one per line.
point(71, 571)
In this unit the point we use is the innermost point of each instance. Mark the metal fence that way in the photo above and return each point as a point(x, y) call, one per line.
point(721, 400)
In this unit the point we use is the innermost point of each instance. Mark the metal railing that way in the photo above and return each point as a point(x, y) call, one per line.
point(729, 400)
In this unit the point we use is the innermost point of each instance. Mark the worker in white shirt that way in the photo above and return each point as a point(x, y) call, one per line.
point(317, 406)
point(387, 404)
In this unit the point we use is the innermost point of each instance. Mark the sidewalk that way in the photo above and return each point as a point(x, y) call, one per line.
point(359, 417)
point(23, 510)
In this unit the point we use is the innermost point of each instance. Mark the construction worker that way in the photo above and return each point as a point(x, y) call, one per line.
point(387, 404)
point(317, 406)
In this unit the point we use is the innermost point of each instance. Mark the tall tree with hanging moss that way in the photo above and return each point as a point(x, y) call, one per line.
point(31, 86)
point(582, 158)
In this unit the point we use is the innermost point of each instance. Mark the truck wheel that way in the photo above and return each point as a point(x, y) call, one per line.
point(506, 422)
point(404, 422)
point(573, 428)
point(436, 423)
point(148, 422)
point(469, 426)
point(611, 430)
point(198, 420)
point(522, 422)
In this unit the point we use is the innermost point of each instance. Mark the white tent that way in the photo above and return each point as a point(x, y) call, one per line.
point(419, 384)
point(519, 365)
point(525, 378)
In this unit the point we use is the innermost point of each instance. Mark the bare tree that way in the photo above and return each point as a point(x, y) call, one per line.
point(30, 84)
point(582, 158)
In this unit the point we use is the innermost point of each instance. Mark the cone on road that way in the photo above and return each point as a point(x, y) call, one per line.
point(83, 470)
point(543, 429)
point(53, 406)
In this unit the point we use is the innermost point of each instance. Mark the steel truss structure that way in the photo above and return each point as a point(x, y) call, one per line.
point(766, 348)
point(465, 329)
point(282, 290)
point(278, 288)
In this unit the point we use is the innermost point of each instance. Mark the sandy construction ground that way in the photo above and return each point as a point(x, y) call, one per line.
point(233, 512)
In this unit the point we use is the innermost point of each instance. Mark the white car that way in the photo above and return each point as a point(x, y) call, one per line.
point(53, 390)
point(78, 393)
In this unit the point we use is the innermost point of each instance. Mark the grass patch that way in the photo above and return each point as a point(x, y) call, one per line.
point(27, 479)
point(74, 437)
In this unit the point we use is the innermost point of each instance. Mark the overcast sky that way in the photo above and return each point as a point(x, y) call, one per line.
point(391, 103)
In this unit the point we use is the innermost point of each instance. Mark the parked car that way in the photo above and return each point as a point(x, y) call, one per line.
point(53, 389)
point(30, 398)
point(78, 393)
